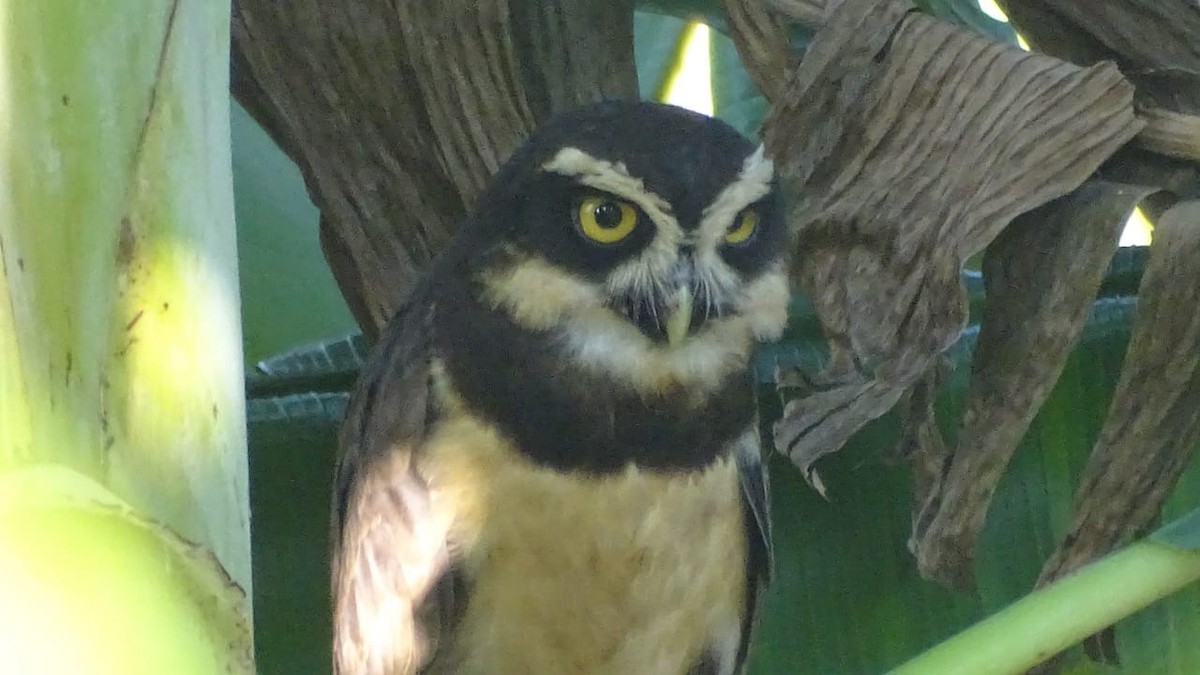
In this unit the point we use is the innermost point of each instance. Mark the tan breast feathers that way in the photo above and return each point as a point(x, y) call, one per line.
point(637, 572)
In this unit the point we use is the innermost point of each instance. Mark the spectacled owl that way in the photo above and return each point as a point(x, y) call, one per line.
point(551, 463)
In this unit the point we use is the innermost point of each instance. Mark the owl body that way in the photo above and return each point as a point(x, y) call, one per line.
point(582, 575)
point(551, 463)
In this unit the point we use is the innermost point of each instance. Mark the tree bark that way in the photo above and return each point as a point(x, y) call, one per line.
point(397, 113)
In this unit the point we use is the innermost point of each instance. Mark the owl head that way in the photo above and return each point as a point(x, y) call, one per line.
point(647, 239)
point(602, 303)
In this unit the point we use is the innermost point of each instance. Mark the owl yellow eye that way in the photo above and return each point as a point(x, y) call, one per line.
point(606, 220)
point(742, 228)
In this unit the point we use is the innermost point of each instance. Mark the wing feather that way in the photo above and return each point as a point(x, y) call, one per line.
point(394, 583)
point(760, 560)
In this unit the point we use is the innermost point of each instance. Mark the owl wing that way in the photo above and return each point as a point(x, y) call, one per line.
point(395, 588)
point(760, 559)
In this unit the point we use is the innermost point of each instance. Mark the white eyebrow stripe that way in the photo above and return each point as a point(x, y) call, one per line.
point(615, 179)
point(752, 183)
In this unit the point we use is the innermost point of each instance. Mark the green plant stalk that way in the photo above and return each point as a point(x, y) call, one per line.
point(124, 517)
point(90, 586)
point(1062, 614)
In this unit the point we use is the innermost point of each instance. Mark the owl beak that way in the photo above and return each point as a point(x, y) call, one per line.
point(679, 321)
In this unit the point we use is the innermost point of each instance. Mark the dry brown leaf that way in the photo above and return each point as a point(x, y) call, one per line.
point(1041, 276)
point(1171, 133)
point(1153, 424)
point(1133, 165)
point(760, 35)
point(1155, 42)
point(906, 145)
